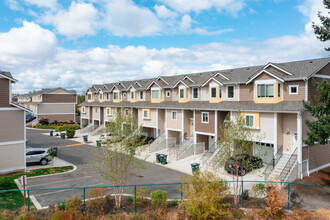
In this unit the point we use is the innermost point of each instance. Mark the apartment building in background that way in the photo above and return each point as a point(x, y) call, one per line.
point(188, 110)
point(54, 104)
point(12, 128)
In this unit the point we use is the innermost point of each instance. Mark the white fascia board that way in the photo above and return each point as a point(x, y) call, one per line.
point(212, 78)
point(153, 83)
point(162, 80)
point(180, 81)
point(221, 75)
point(187, 77)
point(264, 71)
point(273, 65)
point(11, 79)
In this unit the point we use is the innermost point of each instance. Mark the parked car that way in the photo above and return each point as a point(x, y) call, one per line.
point(142, 140)
point(28, 116)
point(244, 162)
point(37, 155)
point(30, 119)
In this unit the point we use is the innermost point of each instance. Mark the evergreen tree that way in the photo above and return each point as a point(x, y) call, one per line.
point(319, 130)
point(323, 31)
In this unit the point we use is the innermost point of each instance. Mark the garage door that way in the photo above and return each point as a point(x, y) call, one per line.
point(264, 150)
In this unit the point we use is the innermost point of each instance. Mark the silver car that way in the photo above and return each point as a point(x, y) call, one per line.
point(37, 155)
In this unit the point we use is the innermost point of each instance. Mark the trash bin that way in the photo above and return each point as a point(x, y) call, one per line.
point(98, 143)
point(157, 158)
point(195, 167)
point(51, 133)
point(163, 159)
point(55, 149)
point(85, 138)
point(63, 135)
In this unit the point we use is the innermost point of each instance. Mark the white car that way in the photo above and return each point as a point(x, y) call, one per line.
point(37, 155)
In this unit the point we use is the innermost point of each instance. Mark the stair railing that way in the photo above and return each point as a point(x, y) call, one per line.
point(174, 149)
point(182, 144)
point(286, 170)
point(209, 153)
point(271, 166)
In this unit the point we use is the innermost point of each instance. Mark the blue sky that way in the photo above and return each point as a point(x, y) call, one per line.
point(49, 43)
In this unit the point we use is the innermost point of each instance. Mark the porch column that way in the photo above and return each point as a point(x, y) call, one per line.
point(156, 133)
point(195, 136)
point(216, 125)
point(166, 133)
point(100, 116)
point(275, 133)
point(182, 133)
point(299, 144)
point(104, 112)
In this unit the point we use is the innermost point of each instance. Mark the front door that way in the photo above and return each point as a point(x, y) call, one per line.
point(293, 144)
point(191, 124)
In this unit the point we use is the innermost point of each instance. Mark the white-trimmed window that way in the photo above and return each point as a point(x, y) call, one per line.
point(174, 115)
point(83, 109)
point(108, 97)
point(205, 117)
point(195, 93)
point(279, 90)
point(132, 95)
point(220, 92)
point(95, 109)
point(141, 94)
point(168, 93)
point(145, 113)
point(108, 111)
point(293, 89)
point(265, 90)
point(115, 95)
point(155, 93)
point(124, 95)
point(249, 120)
point(230, 92)
point(181, 91)
point(126, 111)
point(213, 92)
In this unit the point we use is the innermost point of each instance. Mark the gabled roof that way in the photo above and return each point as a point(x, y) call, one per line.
point(8, 75)
point(212, 78)
point(269, 72)
point(160, 78)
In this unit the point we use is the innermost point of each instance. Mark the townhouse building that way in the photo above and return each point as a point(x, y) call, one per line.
point(12, 128)
point(54, 104)
point(189, 109)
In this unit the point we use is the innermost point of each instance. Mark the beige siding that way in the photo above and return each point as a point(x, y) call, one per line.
point(175, 96)
point(96, 115)
point(205, 93)
point(161, 120)
point(12, 157)
point(56, 108)
point(148, 95)
point(266, 131)
point(148, 122)
point(294, 97)
point(11, 126)
point(168, 98)
point(317, 154)
point(4, 92)
point(289, 125)
point(174, 124)
point(51, 118)
point(246, 92)
point(59, 91)
point(236, 95)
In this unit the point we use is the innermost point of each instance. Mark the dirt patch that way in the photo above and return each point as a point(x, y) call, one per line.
point(310, 197)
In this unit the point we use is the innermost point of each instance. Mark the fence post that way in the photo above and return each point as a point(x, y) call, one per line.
point(181, 191)
point(242, 195)
point(135, 199)
point(84, 199)
point(28, 201)
point(288, 195)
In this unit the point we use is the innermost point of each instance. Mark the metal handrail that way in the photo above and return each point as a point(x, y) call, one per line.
point(288, 165)
point(182, 140)
point(270, 167)
point(185, 141)
point(206, 155)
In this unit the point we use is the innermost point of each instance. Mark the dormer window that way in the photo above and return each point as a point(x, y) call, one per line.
point(155, 93)
point(265, 90)
point(89, 96)
point(132, 95)
point(293, 89)
point(213, 92)
point(181, 93)
point(115, 95)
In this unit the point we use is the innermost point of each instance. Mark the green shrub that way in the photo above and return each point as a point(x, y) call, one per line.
point(205, 193)
point(73, 205)
point(130, 199)
point(237, 213)
point(158, 198)
point(66, 127)
point(21, 217)
point(71, 131)
point(61, 205)
point(141, 194)
point(60, 128)
point(173, 203)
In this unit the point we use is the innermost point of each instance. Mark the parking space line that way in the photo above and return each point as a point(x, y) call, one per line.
point(58, 191)
point(60, 181)
point(71, 145)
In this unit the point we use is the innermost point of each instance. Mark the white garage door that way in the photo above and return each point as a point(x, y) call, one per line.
point(264, 150)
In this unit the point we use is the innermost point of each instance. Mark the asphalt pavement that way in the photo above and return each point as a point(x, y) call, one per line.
point(84, 176)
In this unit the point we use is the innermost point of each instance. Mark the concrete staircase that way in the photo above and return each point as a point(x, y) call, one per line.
point(184, 149)
point(158, 144)
point(86, 129)
point(279, 167)
point(97, 130)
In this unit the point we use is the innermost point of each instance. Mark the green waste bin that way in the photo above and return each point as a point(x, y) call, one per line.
point(163, 159)
point(157, 158)
point(63, 135)
point(85, 138)
point(98, 143)
point(195, 167)
point(51, 133)
point(55, 149)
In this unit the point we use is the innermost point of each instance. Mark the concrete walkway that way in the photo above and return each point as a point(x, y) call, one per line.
point(57, 162)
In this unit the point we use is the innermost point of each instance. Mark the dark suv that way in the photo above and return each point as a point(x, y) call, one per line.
point(244, 163)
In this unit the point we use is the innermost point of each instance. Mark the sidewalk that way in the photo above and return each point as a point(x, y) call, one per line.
point(56, 163)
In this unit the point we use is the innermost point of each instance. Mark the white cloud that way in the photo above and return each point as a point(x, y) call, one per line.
point(43, 3)
point(163, 12)
point(27, 46)
point(185, 6)
point(78, 21)
point(125, 18)
point(185, 22)
point(14, 5)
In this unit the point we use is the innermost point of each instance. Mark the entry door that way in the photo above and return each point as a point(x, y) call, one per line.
point(293, 144)
point(191, 126)
point(211, 141)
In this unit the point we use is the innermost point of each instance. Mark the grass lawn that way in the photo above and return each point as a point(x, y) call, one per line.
point(65, 126)
point(15, 200)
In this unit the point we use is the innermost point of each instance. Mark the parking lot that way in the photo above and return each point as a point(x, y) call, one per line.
point(84, 176)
